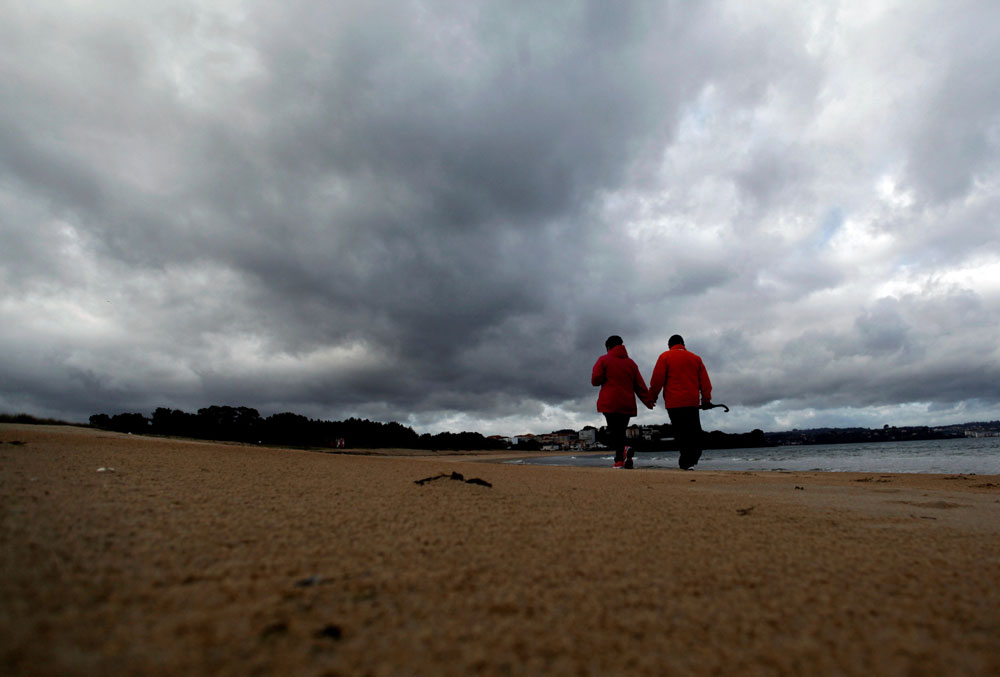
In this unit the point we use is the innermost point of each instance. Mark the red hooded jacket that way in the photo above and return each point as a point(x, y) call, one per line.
point(683, 377)
point(620, 382)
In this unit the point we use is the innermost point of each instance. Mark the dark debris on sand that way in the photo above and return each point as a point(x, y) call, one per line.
point(454, 476)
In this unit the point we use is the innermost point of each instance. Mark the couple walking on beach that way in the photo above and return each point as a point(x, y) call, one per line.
point(686, 388)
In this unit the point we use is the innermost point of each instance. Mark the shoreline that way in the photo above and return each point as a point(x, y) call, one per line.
point(189, 556)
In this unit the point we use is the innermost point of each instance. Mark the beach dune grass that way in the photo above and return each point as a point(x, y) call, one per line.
point(126, 555)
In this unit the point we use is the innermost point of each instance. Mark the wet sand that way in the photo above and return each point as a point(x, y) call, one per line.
point(198, 558)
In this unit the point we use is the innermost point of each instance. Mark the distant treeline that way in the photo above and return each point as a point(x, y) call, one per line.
point(243, 424)
point(886, 433)
point(30, 420)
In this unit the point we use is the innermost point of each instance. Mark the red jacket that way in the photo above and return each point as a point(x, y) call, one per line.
point(620, 382)
point(683, 378)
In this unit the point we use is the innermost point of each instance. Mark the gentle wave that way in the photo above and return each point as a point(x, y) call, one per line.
point(973, 456)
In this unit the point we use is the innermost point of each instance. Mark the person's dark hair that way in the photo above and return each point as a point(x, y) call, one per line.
point(613, 341)
point(675, 340)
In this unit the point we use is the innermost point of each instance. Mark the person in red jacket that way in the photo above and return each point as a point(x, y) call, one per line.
point(686, 387)
point(620, 381)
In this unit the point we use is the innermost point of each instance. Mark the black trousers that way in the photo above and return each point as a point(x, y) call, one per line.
point(617, 423)
point(686, 422)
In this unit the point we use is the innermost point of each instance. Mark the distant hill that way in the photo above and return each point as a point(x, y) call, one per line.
point(884, 434)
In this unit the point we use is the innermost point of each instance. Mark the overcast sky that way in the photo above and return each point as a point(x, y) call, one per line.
point(435, 212)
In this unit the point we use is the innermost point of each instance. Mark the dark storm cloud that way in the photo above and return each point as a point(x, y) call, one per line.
point(436, 212)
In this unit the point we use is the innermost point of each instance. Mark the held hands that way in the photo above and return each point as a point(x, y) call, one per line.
point(649, 403)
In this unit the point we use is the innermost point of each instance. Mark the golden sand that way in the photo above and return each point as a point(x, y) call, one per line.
point(185, 557)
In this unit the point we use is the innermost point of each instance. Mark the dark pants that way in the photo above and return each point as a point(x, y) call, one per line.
point(617, 423)
point(686, 422)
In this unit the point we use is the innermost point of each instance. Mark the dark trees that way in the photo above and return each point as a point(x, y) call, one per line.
point(123, 423)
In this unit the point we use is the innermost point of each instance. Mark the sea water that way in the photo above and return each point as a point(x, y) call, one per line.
point(980, 456)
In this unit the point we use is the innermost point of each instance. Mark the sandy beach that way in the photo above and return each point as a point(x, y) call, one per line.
point(131, 555)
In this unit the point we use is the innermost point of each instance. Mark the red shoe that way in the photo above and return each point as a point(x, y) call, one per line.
point(618, 465)
point(629, 455)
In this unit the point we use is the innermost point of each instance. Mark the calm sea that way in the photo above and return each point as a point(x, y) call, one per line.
point(980, 456)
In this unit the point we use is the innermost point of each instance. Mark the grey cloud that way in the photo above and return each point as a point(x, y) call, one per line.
point(881, 331)
point(403, 210)
point(899, 350)
point(955, 143)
